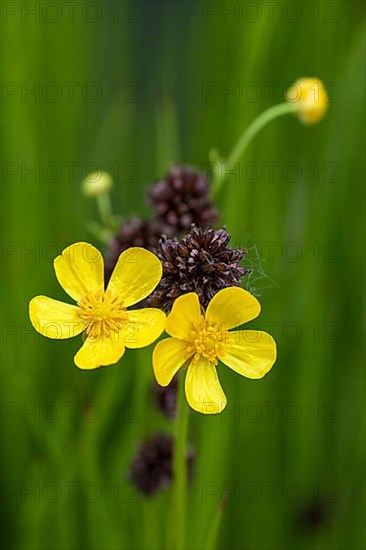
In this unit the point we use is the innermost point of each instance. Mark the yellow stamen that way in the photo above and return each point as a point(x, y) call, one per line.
point(102, 314)
point(206, 340)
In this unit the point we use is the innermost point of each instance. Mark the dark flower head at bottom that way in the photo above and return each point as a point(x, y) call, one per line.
point(152, 468)
point(316, 514)
point(200, 262)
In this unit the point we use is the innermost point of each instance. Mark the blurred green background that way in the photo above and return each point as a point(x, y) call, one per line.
point(122, 86)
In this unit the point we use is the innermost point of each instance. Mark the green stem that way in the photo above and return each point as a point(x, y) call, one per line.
point(262, 120)
point(180, 467)
point(103, 234)
point(211, 538)
point(105, 209)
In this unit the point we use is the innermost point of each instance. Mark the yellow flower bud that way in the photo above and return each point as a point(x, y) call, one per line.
point(311, 97)
point(96, 183)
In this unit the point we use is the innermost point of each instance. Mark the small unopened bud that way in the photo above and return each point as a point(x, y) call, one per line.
point(311, 97)
point(96, 183)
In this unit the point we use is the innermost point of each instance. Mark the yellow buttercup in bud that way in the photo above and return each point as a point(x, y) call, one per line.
point(96, 183)
point(311, 97)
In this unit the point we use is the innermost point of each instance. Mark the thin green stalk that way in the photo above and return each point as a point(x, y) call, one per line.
point(105, 209)
point(104, 231)
point(180, 468)
point(211, 538)
point(247, 136)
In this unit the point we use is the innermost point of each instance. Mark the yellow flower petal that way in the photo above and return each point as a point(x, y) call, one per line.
point(80, 270)
point(103, 351)
point(168, 356)
point(55, 319)
point(136, 275)
point(185, 312)
point(232, 307)
point(250, 353)
point(143, 327)
point(203, 389)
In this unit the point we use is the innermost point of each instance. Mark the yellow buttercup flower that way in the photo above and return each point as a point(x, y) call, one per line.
point(201, 339)
point(101, 315)
point(311, 97)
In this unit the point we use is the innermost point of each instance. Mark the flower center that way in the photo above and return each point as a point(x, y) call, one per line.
point(102, 313)
point(206, 341)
